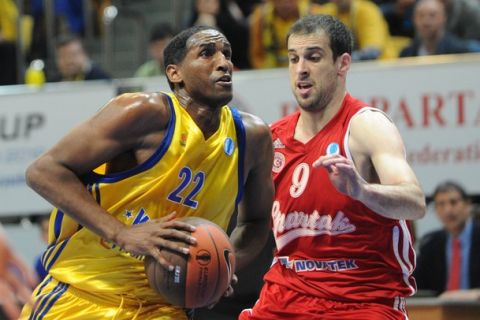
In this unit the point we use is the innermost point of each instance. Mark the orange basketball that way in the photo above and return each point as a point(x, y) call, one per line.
point(200, 278)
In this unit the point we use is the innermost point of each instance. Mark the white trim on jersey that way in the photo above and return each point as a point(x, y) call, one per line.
point(407, 246)
point(405, 271)
point(400, 305)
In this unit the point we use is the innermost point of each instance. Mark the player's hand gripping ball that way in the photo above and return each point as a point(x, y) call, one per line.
point(200, 278)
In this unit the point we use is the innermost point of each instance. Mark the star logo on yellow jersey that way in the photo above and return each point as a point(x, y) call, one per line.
point(128, 214)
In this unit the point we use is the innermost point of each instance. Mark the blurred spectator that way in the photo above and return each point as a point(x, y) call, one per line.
point(8, 20)
point(449, 259)
point(476, 211)
point(8, 37)
point(159, 38)
point(73, 62)
point(399, 16)
point(16, 280)
point(226, 16)
point(269, 24)
point(43, 222)
point(69, 18)
point(463, 18)
point(370, 30)
point(247, 6)
point(431, 35)
point(8, 58)
point(8, 63)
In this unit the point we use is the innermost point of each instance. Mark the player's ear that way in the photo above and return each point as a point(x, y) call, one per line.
point(173, 73)
point(343, 64)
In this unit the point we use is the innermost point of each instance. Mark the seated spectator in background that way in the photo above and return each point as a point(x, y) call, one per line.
point(448, 261)
point(73, 62)
point(247, 6)
point(368, 25)
point(226, 16)
point(399, 16)
point(68, 16)
point(463, 18)
point(432, 38)
point(8, 63)
point(38, 265)
point(159, 38)
point(8, 38)
point(16, 281)
point(269, 24)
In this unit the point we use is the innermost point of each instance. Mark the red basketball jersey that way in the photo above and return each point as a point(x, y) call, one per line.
point(328, 244)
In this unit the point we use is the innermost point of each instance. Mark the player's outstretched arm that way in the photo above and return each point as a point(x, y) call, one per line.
point(124, 126)
point(387, 184)
point(253, 220)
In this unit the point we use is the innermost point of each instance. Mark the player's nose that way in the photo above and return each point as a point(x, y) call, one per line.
point(223, 63)
point(301, 67)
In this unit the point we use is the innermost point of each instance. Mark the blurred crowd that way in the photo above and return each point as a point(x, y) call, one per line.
point(383, 29)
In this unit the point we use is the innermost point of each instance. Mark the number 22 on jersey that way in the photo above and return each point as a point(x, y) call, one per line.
point(187, 177)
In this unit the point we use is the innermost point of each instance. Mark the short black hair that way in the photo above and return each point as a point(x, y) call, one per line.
point(450, 186)
point(341, 38)
point(66, 39)
point(176, 49)
point(160, 31)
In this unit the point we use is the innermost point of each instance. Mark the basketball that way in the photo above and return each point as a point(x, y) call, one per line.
point(200, 278)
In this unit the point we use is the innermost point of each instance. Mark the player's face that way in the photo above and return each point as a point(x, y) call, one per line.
point(206, 70)
point(452, 210)
point(313, 73)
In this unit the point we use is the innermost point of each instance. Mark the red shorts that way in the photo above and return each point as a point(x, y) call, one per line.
point(278, 302)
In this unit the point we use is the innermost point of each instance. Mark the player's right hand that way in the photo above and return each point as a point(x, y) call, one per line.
point(150, 237)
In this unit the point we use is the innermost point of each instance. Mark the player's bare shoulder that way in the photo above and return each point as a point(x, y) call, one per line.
point(373, 130)
point(259, 140)
point(141, 109)
point(256, 129)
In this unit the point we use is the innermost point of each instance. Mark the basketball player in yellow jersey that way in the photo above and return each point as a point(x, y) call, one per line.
point(167, 156)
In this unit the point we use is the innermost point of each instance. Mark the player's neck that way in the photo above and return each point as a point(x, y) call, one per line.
point(312, 122)
point(206, 117)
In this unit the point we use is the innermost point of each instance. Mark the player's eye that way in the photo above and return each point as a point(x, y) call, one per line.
point(206, 52)
point(227, 54)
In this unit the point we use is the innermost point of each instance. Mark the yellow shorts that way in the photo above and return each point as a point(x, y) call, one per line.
point(57, 300)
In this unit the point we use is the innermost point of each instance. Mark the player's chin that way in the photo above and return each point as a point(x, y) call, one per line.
point(224, 97)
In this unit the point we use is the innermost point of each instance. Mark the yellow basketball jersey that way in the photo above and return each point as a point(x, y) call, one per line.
point(187, 174)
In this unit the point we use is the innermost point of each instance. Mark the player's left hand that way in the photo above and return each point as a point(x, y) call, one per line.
point(229, 291)
point(342, 174)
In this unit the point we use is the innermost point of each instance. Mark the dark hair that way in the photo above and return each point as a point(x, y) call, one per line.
point(66, 39)
point(341, 38)
point(450, 186)
point(442, 3)
point(176, 49)
point(160, 31)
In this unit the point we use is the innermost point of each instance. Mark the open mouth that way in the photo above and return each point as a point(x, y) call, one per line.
point(304, 88)
point(226, 79)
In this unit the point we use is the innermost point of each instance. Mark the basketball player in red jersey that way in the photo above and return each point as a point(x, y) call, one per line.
point(343, 193)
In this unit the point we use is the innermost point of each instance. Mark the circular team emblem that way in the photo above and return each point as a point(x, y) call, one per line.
point(333, 148)
point(278, 162)
point(228, 146)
